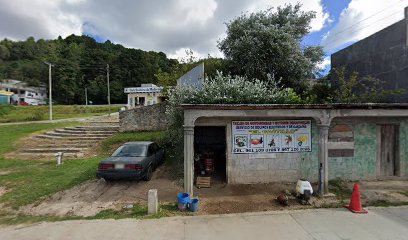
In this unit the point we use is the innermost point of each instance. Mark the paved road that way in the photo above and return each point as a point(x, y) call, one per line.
point(325, 224)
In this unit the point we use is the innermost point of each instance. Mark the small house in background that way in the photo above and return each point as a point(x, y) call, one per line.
point(22, 93)
point(5, 97)
point(145, 95)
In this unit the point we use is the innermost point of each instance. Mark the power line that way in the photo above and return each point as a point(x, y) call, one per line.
point(355, 24)
point(364, 27)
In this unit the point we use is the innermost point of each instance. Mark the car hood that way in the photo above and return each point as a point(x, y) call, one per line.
point(123, 159)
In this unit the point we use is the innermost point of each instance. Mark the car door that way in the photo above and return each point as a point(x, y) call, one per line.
point(159, 153)
point(152, 155)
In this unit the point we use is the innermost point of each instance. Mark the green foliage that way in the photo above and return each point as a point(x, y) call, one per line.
point(342, 87)
point(235, 90)
point(269, 42)
point(37, 115)
point(221, 90)
point(211, 66)
point(136, 211)
point(81, 62)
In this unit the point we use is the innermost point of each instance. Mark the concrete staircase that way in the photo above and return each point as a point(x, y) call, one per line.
point(74, 142)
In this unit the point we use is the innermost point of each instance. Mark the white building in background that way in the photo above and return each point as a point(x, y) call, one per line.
point(145, 95)
point(23, 93)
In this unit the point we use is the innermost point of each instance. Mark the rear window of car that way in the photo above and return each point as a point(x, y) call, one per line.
point(130, 151)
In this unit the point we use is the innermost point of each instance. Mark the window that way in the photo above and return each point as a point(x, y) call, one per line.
point(150, 151)
point(130, 151)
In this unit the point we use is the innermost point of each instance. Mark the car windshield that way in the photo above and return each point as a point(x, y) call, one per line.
point(130, 151)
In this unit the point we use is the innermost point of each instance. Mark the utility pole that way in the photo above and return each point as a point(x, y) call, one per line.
point(107, 77)
point(50, 87)
point(86, 97)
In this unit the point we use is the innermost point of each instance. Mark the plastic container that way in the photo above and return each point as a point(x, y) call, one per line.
point(183, 201)
point(194, 203)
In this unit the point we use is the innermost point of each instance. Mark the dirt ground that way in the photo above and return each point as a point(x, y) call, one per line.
point(390, 191)
point(91, 197)
point(3, 190)
point(94, 196)
point(222, 198)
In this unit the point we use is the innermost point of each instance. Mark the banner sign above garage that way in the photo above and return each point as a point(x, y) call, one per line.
point(271, 136)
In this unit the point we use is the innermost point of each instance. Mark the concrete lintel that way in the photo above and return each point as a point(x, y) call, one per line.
point(322, 116)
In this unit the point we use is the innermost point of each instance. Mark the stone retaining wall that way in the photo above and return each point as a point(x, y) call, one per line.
point(148, 118)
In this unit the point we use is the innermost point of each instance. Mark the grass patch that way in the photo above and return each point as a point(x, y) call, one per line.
point(404, 193)
point(340, 189)
point(30, 180)
point(10, 134)
point(137, 212)
point(110, 144)
point(7, 218)
point(37, 180)
point(37, 113)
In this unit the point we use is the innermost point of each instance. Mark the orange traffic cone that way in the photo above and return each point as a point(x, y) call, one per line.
point(355, 203)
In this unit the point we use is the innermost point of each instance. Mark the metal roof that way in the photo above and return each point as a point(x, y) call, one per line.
point(6, 93)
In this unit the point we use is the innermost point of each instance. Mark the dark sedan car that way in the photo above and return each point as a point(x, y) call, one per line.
point(135, 160)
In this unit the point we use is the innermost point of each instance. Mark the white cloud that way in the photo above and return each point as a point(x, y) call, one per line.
point(161, 25)
point(325, 63)
point(20, 19)
point(361, 19)
point(322, 16)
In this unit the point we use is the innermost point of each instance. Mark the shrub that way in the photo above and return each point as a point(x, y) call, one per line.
point(37, 115)
point(222, 90)
point(5, 109)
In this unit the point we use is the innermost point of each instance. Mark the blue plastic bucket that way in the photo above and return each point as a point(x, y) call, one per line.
point(194, 204)
point(183, 201)
point(183, 198)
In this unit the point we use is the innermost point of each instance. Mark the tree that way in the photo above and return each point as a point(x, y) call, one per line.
point(4, 52)
point(341, 87)
point(81, 62)
point(269, 42)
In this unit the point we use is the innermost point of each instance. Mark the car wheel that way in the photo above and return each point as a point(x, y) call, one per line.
point(108, 180)
point(149, 174)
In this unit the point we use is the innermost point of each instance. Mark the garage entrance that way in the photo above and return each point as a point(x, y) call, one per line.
point(210, 153)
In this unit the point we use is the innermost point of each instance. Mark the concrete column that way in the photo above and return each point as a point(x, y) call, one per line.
point(324, 157)
point(188, 159)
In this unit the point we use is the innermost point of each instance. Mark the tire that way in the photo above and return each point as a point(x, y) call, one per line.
point(149, 174)
point(108, 180)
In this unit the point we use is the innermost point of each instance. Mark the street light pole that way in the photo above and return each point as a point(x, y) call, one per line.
point(86, 97)
point(50, 87)
point(107, 77)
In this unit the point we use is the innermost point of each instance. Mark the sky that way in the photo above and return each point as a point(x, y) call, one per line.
point(173, 26)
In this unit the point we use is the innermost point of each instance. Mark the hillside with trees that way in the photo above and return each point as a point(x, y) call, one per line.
point(80, 62)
